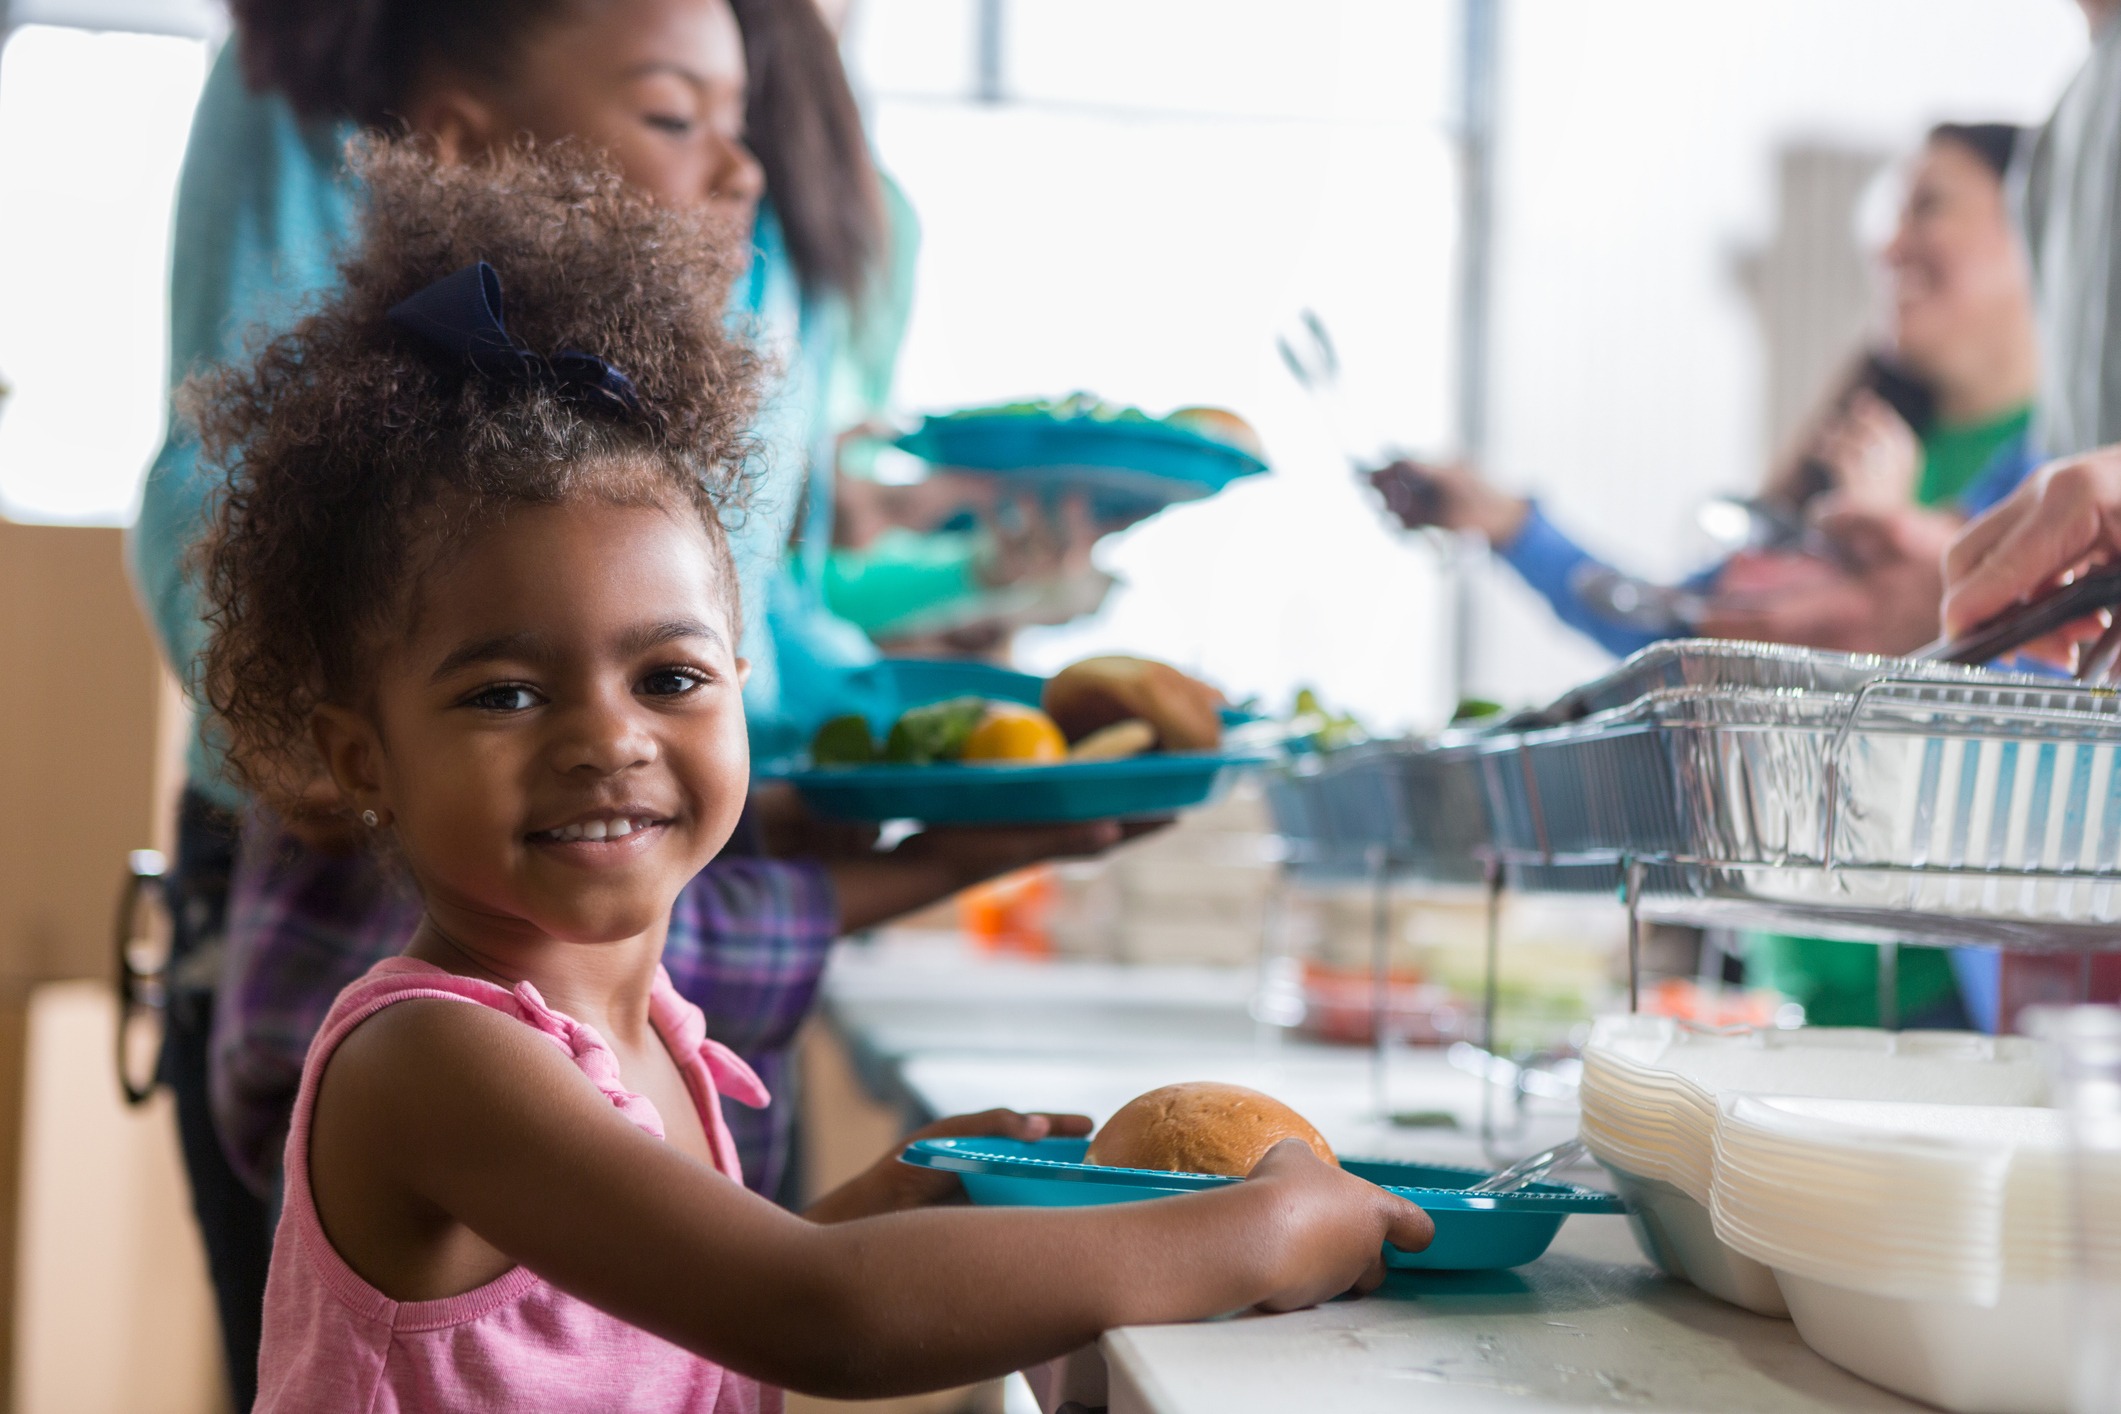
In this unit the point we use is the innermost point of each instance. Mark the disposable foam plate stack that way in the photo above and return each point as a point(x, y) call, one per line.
point(1651, 1093)
point(1924, 1247)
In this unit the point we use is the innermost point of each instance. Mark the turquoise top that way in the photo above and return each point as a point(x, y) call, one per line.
point(260, 214)
point(263, 206)
point(903, 574)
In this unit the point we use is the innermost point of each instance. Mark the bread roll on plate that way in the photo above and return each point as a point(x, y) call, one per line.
point(1219, 425)
point(1098, 692)
point(1200, 1127)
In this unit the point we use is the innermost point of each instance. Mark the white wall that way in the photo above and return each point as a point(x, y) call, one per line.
point(92, 129)
point(1638, 160)
point(1181, 176)
point(1171, 184)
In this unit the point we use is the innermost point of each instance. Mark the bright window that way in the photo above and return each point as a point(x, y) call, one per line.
point(1167, 183)
point(92, 129)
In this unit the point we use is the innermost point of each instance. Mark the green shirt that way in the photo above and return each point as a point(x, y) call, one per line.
point(1954, 456)
point(1837, 982)
point(900, 576)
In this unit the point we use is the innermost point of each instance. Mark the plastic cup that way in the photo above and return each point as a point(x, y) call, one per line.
point(2084, 1051)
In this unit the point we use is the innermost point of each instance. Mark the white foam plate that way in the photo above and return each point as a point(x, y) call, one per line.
point(1676, 1233)
point(2009, 1358)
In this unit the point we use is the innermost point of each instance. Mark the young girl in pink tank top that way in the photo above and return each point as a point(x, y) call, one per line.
point(471, 562)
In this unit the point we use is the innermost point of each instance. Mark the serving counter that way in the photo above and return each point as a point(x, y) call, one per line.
point(1591, 1325)
point(1588, 1326)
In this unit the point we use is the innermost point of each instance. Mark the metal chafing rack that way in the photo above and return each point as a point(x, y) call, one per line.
point(1721, 784)
point(1875, 799)
point(1390, 813)
point(1412, 810)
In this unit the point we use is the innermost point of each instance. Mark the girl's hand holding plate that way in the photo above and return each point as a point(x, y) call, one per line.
point(888, 1186)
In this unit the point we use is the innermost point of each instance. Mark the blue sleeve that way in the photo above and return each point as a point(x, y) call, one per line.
point(262, 206)
point(1553, 565)
point(2005, 471)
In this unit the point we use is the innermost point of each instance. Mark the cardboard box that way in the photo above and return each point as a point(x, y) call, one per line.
point(91, 733)
point(104, 1303)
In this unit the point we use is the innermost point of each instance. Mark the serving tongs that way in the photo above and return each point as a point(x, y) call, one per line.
point(2020, 625)
point(1307, 351)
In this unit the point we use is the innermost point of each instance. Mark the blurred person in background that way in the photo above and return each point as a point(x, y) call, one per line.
point(951, 567)
point(944, 566)
point(2064, 519)
point(1918, 437)
point(1921, 436)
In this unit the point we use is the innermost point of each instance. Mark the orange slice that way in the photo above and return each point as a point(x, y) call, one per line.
point(1014, 733)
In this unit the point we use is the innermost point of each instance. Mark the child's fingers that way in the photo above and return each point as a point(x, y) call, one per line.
point(1005, 1124)
point(1373, 1276)
point(1286, 1155)
point(1040, 1124)
point(1407, 1226)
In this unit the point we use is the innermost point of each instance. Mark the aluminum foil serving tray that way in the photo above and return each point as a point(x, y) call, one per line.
point(1756, 667)
point(1870, 798)
point(1416, 810)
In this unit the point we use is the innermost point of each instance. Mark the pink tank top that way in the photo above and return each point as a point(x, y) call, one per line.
point(333, 1342)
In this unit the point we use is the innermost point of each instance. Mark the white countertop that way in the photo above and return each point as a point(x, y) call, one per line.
point(1591, 1325)
point(1588, 1326)
point(954, 1032)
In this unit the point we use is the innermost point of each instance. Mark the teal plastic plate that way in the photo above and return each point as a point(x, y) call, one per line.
point(889, 686)
point(1140, 787)
point(1474, 1231)
point(1128, 468)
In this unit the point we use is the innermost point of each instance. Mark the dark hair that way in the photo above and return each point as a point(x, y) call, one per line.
point(1993, 143)
point(361, 60)
point(355, 453)
point(802, 121)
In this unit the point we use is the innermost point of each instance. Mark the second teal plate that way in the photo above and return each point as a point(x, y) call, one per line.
point(1128, 468)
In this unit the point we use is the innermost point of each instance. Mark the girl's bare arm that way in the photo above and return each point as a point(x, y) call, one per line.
point(467, 1110)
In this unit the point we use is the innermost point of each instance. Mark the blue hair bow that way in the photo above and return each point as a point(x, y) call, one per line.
point(460, 315)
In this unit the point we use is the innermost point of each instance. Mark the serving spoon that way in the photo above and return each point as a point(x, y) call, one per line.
point(1530, 1170)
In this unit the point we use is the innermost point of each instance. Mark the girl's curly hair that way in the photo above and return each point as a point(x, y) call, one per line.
point(354, 452)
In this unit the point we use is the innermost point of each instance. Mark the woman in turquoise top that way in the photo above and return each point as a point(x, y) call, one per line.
point(261, 214)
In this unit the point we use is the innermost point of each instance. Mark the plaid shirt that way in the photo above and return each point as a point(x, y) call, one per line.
point(747, 945)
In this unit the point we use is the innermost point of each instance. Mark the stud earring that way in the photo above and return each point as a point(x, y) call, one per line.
point(368, 818)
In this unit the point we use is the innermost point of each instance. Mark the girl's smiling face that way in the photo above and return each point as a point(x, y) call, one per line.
point(558, 741)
